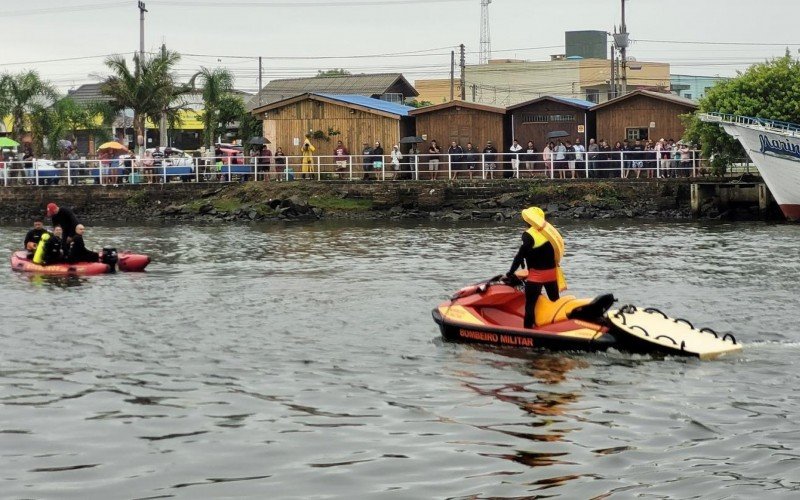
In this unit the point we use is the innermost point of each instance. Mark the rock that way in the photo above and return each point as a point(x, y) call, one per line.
point(252, 215)
point(396, 210)
point(204, 209)
point(552, 208)
point(498, 217)
point(510, 200)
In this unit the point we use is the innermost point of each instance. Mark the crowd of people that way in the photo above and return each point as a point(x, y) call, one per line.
point(560, 158)
point(64, 243)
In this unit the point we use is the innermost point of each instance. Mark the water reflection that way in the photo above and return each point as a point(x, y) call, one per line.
point(43, 280)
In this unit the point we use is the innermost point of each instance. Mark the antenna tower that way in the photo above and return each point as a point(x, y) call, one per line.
point(486, 38)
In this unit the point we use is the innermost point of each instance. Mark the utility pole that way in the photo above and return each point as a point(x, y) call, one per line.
point(463, 64)
point(260, 85)
point(142, 10)
point(612, 84)
point(162, 126)
point(622, 40)
point(485, 53)
point(452, 75)
point(143, 144)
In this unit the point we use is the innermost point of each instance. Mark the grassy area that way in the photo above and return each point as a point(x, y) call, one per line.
point(346, 204)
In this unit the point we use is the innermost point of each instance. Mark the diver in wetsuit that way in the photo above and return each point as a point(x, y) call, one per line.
point(54, 247)
point(65, 218)
point(538, 254)
point(77, 248)
point(34, 236)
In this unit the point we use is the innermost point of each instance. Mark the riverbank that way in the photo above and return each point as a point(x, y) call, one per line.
point(301, 200)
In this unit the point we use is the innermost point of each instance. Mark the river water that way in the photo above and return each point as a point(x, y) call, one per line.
point(301, 361)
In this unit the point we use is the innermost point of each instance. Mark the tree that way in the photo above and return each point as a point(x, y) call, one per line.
point(768, 90)
point(150, 88)
point(333, 72)
point(22, 95)
point(217, 88)
point(418, 104)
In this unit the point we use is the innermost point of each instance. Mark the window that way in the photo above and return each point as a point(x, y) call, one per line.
point(687, 95)
point(531, 118)
point(562, 118)
point(392, 97)
point(637, 133)
point(593, 95)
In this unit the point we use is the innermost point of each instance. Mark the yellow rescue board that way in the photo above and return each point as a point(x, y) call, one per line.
point(655, 327)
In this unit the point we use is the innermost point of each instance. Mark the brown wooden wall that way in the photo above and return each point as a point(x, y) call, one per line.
point(639, 112)
point(284, 124)
point(525, 131)
point(462, 125)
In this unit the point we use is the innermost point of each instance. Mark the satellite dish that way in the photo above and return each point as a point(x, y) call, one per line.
point(632, 59)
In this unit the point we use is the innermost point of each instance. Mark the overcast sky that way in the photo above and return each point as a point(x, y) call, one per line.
point(307, 32)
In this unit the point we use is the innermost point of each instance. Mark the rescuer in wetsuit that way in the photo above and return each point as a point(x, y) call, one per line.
point(34, 236)
point(539, 256)
point(54, 247)
point(65, 218)
point(77, 248)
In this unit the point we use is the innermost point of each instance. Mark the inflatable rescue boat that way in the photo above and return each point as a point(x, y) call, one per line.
point(492, 312)
point(109, 262)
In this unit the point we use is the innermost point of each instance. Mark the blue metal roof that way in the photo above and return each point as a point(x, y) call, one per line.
point(369, 102)
point(577, 102)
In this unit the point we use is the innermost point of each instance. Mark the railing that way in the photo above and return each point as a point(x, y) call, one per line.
point(773, 125)
point(602, 164)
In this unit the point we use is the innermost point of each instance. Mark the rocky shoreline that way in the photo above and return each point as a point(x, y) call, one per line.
point(667, 199)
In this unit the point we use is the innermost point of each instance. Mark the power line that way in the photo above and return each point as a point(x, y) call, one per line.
point(687, 42)
point(65, 9)
point(57, 60)
point(297, 4)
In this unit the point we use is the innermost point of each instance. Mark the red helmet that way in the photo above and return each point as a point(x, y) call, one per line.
point(52, 208)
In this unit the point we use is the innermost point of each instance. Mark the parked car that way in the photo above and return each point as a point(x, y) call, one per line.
point(232, 155)
point(171, 157)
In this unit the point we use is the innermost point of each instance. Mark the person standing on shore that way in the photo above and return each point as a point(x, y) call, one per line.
point(490, 158)
point(433, 159)
point(514, 150)
point(530, 159)
point(366, 158)
point(580, 157)
point(592, 157)
point(470, 158)
point(377, 158)
point(340, 156)
point(560, 159)
point(308, 158)
point(454, 156)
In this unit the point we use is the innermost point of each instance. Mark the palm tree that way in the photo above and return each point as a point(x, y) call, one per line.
point(217, 87)
point(150, 88)
point(22, 95)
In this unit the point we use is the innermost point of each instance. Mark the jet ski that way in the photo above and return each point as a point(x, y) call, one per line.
point(492, 312)
point(109, 262)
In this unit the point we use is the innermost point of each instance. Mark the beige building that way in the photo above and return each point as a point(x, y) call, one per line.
point(507, 82)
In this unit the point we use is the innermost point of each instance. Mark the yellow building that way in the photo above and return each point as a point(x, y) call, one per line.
point(506, 82)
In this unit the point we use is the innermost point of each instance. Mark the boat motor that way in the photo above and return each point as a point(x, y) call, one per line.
point(110, 257)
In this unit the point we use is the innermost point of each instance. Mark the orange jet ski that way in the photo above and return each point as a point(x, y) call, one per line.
point(492, 312)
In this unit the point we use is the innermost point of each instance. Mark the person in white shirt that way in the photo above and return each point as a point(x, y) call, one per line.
point(515, 150)
point(579, 155)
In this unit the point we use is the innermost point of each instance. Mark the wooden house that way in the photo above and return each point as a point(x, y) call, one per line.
point(391, 87)
point(534, 120)
point(642, 115)
point(328, 118)
point(459, 121)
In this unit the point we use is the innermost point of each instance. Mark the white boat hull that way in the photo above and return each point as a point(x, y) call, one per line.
point(777, 156)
